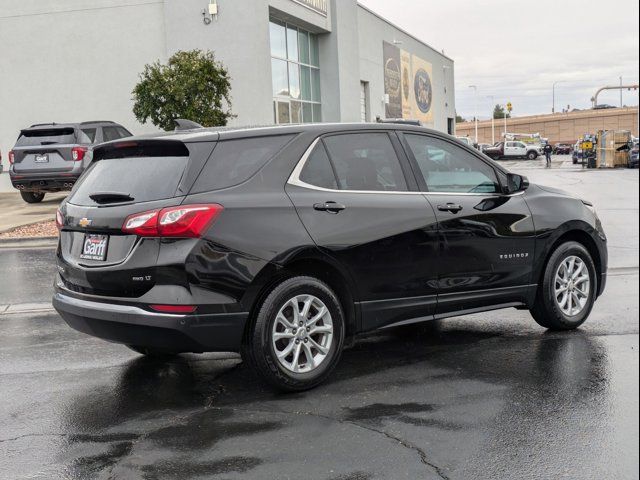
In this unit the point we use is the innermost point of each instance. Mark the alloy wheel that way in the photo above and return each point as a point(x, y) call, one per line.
point(302, 333)
point(572, 285)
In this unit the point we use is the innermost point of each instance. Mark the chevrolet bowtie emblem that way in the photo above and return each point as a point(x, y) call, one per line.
point(84, 222)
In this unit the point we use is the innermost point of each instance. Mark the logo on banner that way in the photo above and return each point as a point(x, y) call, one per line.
point(423, 90)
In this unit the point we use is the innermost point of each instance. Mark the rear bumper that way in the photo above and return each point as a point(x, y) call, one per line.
point(49, 182)
point(132, 325)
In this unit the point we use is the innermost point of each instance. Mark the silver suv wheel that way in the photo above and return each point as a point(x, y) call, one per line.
point(572, 285)
point(302, 333)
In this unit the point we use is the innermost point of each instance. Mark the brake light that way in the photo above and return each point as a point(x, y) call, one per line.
point(12, 157)
point(77, 153)
point(184, 221)
point(173, 308)
point(59, 220)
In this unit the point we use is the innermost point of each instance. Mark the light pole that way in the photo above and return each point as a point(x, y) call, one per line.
point(475, 90)
point(493, 121)
point(620, 92)
point(553, 107)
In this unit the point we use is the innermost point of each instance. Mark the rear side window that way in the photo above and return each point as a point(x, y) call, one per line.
point(366, 161)
point(113, 133)
point(317, 170)
point(143, 178)
point(46, 136)
point(88, 135)
point(235, 161)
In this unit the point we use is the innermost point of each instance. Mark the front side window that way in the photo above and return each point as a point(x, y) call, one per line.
point(448, 168)
point(365, 161)
point(295, 74)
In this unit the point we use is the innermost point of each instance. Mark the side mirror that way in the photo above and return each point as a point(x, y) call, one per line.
point(516, 183)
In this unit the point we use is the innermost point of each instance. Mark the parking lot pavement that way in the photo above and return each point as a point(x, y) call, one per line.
point(15, 212)
point(487, 396)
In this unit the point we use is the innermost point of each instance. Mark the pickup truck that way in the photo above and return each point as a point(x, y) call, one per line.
point(513, 149)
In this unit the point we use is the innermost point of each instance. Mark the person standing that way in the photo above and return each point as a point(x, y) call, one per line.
point(547, 153)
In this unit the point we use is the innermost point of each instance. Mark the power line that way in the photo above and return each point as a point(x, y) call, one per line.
point(55, 12)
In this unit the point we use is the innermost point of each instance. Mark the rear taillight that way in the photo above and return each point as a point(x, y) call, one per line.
point(77, 153)
point(59, 220)
point(185, 221)
point(12, 157)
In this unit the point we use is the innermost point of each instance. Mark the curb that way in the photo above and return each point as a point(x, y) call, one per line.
point(43, 307)
point(28, 242)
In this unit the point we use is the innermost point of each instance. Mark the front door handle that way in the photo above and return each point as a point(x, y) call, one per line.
point(331, 207)
point(450, 207)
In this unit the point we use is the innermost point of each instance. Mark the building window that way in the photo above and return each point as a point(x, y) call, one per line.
point(295, 74)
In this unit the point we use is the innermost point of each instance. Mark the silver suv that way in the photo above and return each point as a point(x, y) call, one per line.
point(50, 157)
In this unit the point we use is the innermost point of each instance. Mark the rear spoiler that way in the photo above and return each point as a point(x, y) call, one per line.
point(140, 148)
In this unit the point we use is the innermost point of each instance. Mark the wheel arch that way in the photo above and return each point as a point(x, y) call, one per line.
point(313, 265)
point(583, 238)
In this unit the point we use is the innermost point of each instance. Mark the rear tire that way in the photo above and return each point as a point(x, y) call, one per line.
point(32, 197)
point(568, 290)
point(297, 338)
point(532, 155)
point(152, 352)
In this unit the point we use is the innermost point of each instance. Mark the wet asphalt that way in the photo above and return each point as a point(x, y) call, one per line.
point(486, 396)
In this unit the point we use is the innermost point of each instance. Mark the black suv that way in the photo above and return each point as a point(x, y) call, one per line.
point(50, 157)
point(282, 242)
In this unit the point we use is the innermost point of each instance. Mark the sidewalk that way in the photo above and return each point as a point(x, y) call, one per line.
point(15, 212)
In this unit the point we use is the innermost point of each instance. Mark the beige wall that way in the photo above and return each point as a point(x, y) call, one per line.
point(558, 127)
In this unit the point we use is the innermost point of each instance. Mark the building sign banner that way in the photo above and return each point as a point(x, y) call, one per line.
point(408, 83)
point(392, 81)
point(319, 6)
point(422, 90)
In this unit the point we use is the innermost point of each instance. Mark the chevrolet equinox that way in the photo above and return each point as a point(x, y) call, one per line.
point(282, 242)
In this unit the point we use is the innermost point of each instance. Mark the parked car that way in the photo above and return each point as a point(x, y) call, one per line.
point(483, 146)
point(512, 149)
point(633, 155)
point(576, 155)
point(1, 165)
point(466, 141)
point(562, 149)
point(283, 242)
point(50, 157)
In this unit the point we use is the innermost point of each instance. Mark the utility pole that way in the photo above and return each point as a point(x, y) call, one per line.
point(475, 90)
point(553, 89)
point(493, 121)
point(620, 92)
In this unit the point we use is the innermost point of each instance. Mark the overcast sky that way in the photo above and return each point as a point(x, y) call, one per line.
point(515, 50)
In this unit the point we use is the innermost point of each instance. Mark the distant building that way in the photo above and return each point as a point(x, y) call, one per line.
point(558, 127)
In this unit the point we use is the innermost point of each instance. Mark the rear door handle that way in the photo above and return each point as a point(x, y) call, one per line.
point(331, 207)
point(450, 207)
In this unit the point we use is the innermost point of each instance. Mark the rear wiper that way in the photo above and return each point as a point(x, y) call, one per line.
point(111, 197)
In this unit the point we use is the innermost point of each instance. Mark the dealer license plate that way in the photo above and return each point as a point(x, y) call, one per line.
point(95, 247)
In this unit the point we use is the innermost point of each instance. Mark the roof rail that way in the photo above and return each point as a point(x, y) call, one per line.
point(97, 121)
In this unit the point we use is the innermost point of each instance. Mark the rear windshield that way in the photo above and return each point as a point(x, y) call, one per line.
point(143, 178)
point(235, 161)
point(46, 136)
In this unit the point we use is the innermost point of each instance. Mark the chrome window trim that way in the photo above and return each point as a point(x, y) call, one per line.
point(294, 179)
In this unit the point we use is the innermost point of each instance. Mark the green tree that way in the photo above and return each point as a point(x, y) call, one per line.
point(460, 119)
point(192, 85)
point(498, 112)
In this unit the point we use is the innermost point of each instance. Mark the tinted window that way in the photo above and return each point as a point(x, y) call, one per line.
point(234, 161)
point(111, 133)
point(88, 134)
point(143, 178)
point(318, 171)
point(365, 161)
point(123, 132)
point(48, 136)
point(448, 168)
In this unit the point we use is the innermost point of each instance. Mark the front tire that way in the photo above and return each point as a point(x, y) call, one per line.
point(298, 334)
point(568, 290)
point(32, 197)
point(532, 155)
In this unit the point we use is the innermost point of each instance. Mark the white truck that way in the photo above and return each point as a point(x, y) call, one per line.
point(513, 149)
